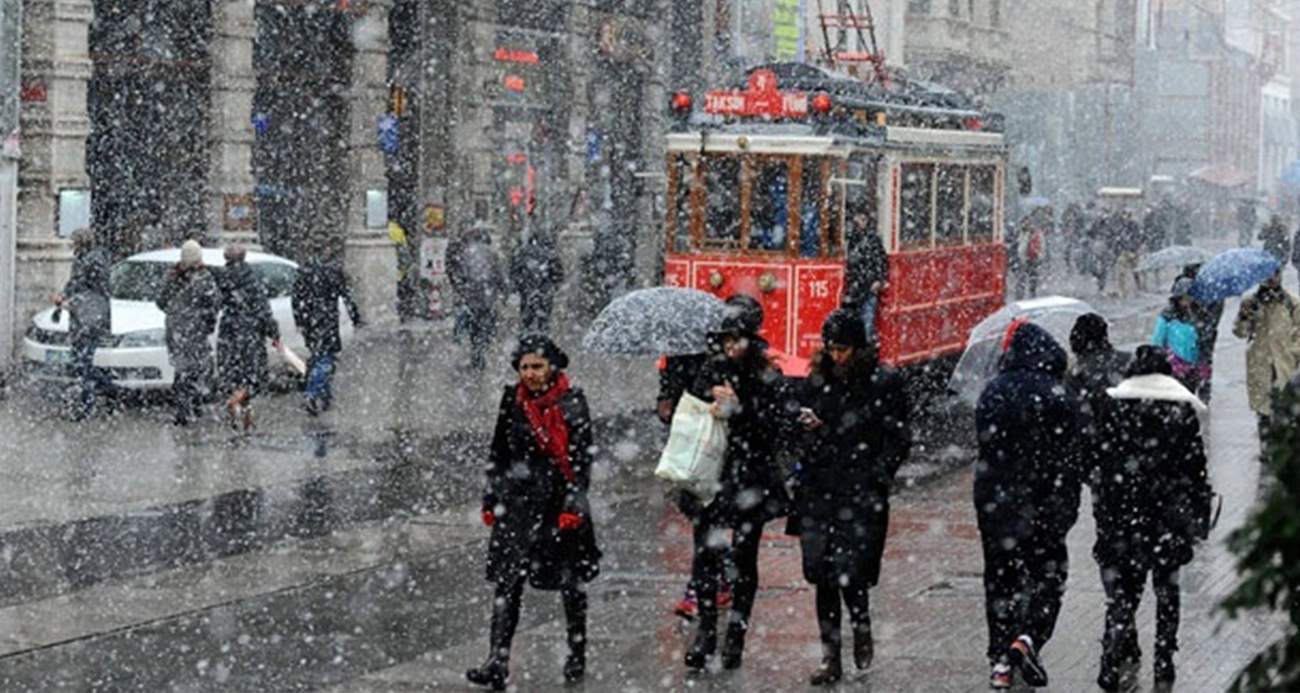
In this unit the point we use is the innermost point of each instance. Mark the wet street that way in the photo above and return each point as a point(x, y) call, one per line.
point(345, 552)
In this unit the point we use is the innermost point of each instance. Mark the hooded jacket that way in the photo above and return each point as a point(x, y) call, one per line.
point(1152, 496)
point(1273, 354)
point(1029, 471)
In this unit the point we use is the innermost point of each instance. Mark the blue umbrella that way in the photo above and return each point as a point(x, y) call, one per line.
point(1232, 273)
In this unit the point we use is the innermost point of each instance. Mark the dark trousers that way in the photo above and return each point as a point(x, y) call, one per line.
point(856, 596)
point(1124, 584)
point(505, 616)
point(1024, 583)
point(187, 391)
point(710, 561)
point(320, 374)
point(92, 378)
point(535, 313)
point(482, 328)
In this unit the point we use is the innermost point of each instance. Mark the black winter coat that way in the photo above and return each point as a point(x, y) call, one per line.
point(1028, 476)
point(190, 301)
point(868, 263)
point(1092, 374)
point(841, 500)
point(752, 486)
point(89, 306)
point(536, 272)
point(1152, 496)
point(316, 292)
point(527, 492)
point(246, 324)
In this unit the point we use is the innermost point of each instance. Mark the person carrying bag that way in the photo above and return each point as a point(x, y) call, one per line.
point(696, 449)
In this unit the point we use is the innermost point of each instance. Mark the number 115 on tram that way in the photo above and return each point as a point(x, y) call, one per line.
point(773, 193)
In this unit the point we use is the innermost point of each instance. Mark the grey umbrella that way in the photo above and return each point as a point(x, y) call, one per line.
point(1178, 256)
point(657, 321)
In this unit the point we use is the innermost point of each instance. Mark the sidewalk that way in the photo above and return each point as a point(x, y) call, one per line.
point(928, 610)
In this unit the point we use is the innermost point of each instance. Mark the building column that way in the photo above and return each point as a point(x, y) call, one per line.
point(54, 124)
point(231, 215)
point(371, 258)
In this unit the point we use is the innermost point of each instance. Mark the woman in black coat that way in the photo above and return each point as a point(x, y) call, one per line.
point(856, 420)
point(751, 395)
point(539, 470)
point(246, 323)
point(1152, 503)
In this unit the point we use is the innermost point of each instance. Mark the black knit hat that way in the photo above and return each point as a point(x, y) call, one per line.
point(541, 345)
point(744, 315)
point(1091, 333)
point(1148, 360)
point(844, 327)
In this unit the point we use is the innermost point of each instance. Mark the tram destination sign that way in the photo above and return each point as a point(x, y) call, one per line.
point(761, 99)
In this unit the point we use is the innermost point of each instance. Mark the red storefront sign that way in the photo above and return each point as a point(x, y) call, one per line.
point(761, 99)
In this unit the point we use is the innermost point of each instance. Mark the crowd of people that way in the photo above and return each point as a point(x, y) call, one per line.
point(823, 454)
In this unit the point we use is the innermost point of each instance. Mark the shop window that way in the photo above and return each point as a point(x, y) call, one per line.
point(950, 205)
point(918, 6)
point(982, 207)
point(679, 214)
point(917, 205)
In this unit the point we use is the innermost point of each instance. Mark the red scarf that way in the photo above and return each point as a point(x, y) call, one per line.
point(547, 421)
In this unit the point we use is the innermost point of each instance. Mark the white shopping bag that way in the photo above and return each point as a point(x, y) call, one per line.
point(696, 449)
point(293, 359)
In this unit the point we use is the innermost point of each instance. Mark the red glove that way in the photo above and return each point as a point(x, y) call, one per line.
point(570, 521)
point(489, 518)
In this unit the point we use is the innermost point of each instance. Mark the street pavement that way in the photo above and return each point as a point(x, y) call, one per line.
point(344, 551)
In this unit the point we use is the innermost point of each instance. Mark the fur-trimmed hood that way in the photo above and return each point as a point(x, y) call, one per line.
point(1157, 387)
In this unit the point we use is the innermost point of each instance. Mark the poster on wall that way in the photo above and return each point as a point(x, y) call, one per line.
point(787, 21)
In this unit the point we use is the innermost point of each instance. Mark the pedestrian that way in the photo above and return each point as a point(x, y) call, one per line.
point(867, 270)
point(1027, 483)
point(1177, 336)
point(1074, 225)
point(245, 325)
point(678, 373)
point(480, 282)
point(535, 502)
point(856, 435)
point(1275, 238)
point(1032, 250)
point(1247, 217)
point(1099, 248)
point(1152, 503)
point(190, 300)
point(317, 290)
point(1269, 320)
point(536, 272)
point(406, 277)
point(1207, 318)
point(1295, 250)
point(1127, 242)
point(90, 318)
point(1097, 366)
point(752, 397)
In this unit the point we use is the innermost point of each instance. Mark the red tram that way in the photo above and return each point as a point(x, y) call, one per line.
point(763, 184)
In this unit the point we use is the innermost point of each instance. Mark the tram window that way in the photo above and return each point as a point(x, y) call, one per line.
point(680, 213)
point(916, 204)
point(813, 192)
point(950, 195)
point(769, 204)
point(981, 204)
point(722, 209)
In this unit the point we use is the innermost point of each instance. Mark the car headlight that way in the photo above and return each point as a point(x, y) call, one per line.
point(143, 338)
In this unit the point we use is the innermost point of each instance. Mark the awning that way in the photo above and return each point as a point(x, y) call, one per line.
point(1222, 175)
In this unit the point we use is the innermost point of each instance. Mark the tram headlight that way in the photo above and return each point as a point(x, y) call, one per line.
point(767, 282)
point(716, 280)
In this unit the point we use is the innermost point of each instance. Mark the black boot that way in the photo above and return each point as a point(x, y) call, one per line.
point(706, 643)
point(1164, 667)
point(831, 669)
point(575, 612)
point(733, 648)
point(1108, 672)
point(492, 672)
point(505, 615)
point(864, 648)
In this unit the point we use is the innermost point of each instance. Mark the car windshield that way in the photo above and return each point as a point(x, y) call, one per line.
point(139, 280)
point(135, 280)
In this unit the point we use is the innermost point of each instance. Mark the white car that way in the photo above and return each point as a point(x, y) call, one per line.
point(136, 353)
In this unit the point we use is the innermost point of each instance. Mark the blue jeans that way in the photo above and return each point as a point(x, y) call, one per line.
point(869, 314)
point(320, 368)
point(90, 376)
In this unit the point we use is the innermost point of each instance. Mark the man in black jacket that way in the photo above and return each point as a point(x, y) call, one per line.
point(86, 299)
point(320, 284)
point(1027, 484)
point(867, 269)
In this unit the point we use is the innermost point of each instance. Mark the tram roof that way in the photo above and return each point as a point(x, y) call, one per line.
point(794, 138)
